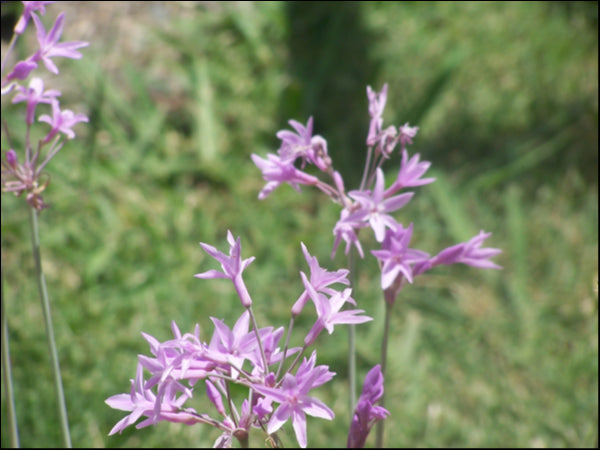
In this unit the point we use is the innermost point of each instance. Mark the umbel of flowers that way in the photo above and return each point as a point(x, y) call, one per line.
point(24, 164)
point(22, 170)
point(280, 379)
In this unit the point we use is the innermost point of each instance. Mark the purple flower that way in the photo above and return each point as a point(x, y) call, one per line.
point(469, 253)
point(304, 145)
point(396, 258)
point(61, 121)
point(277, 170)
point(233, 346)
point(388, 139)
point(328, 311)
point(33, 95)
point(49, 46)
point(296, 145)
point(376, 106)
point(293, 399)
point(26, 177)
point(407, 133)
point(27, 13)
point(141, 402)
point(232, 265)
point(375, 207)
point(366, 412)
point(346, 229)
point(320, 279)
point(273, 354)
point(169, 366)
point(410, 173)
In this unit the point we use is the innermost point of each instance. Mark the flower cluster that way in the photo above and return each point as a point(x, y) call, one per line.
point(26, 176)
point(279, 390)
point(250, 356)
point(372, 205)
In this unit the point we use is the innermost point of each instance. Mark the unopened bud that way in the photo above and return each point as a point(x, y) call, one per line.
point(11, 158)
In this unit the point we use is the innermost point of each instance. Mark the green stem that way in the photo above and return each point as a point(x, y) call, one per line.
point(352, 343)
point(60, 396)
point(384, 346)
point(352, 365)
point(6, 372)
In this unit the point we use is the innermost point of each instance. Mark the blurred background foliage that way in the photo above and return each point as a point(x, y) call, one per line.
point(180, 94)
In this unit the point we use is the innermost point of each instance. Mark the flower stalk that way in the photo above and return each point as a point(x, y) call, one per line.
point(352, 341)
point(43, 291)
point(384, 351)
point(7, 374)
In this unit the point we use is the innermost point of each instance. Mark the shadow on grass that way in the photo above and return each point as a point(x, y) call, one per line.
point(330, 67)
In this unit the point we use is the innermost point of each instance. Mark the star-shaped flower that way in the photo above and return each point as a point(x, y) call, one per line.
point(469, 253)
point(276, 170)
point(49, 46)
point(232, 265)
point(396, 258)
point(375, 207)
point(294, 401)
point(61, 121)
point(328, 311)
point(320, 279)
point(33, 95)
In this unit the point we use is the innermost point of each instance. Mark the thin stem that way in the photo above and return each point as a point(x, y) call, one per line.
point(363, 181)
point(285, 349)
point(384, 345)
point(60, 396)
point(298, 356)
point(352, 365)
point(352, 342)
point(234, 414)
point(260, 346)
point(7, 374)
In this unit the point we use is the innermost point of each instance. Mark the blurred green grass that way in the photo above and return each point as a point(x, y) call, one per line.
point(506, 97)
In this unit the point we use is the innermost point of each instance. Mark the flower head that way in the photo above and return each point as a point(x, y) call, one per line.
point(233, 266)
point(320, 279)
point(329, 311)
point(396, 258)
point(33, 95)
point(406, 134)
point(346, 229)
point(469, 253)
point(141, 402)
point(296, 145)
point(25, 177)
point(277, 170)
point(294, 401)
point(375, 207)
point(49, 46)
point(302, 144)
point(30, 7)
point(61, 121)
point(410, 173)
point(233, 346)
